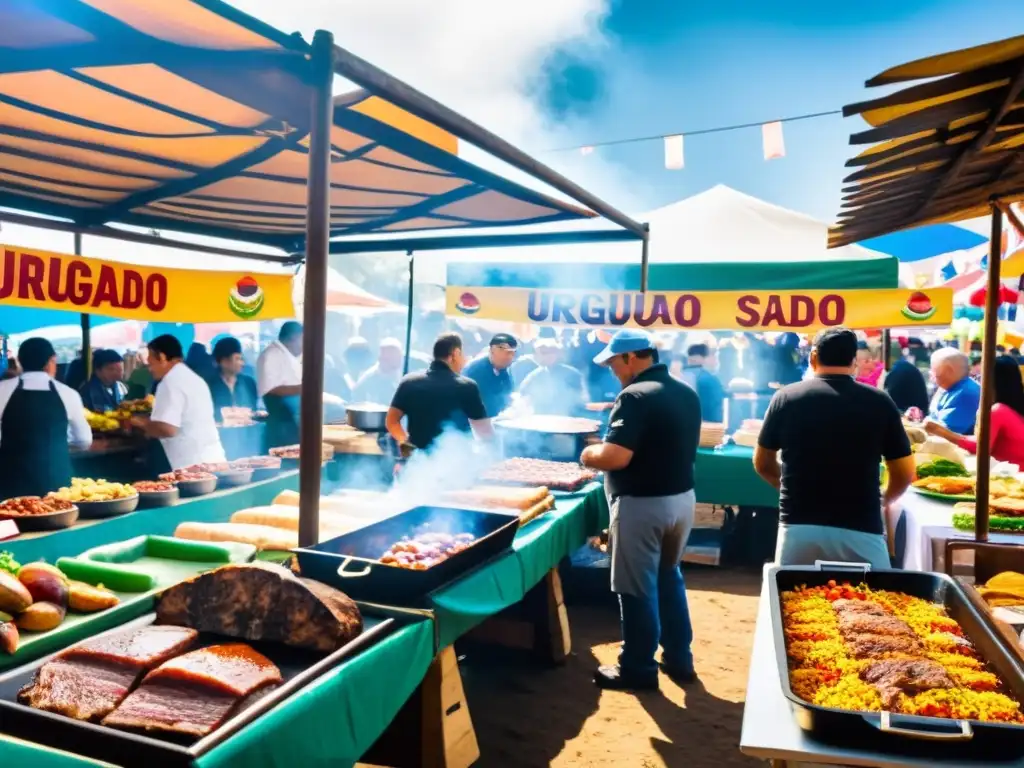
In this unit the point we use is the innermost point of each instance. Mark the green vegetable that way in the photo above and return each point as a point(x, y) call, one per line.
point(9, 564)
point(942, 468)
point(964, 521)
point(170, 548)
point(115, 577)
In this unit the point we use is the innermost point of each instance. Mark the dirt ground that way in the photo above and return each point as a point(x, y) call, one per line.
point(529, 716)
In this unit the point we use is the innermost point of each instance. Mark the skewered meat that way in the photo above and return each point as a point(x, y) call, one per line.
point(87, 681)
point(195, 693)
point(558, 475)
point(910, 676)
point(426, 550)
point(260, 601)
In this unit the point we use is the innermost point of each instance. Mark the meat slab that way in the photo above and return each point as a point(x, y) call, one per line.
point(260, 601)
point(193, 694)
point(893, 677)
point(87, 681)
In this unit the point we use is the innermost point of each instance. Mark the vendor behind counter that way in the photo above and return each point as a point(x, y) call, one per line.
point(39, 419)
point(105, 390)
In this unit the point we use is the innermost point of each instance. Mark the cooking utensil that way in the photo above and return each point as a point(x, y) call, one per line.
point(526, 437)
point(352, 562)
point(96, 510)
point(906, 734)
point(366, 417)
point(298, 667)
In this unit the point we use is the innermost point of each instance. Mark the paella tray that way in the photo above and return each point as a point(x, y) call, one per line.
point(921, 737)
point(299, 668)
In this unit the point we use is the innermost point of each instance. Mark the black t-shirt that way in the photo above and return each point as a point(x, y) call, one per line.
point(833, 433)
point(658, 418)
point(435, 399)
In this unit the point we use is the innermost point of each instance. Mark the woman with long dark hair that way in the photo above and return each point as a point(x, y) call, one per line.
point(1007, 432)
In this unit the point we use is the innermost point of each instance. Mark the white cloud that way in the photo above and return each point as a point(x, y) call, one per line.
point(482, 59)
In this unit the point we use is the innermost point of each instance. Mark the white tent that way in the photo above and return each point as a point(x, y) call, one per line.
point(717, 225)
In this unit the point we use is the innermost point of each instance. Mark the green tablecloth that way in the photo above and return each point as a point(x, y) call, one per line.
point(538, 547)
point(726, 476)
point(332, 722)
point(216, 507)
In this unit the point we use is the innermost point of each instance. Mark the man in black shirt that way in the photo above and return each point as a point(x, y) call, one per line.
point(437, 398)
point(648, 455)
point(833, 433)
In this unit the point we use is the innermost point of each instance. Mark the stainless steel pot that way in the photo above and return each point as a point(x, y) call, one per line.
point(539, 444)
point(367, 417)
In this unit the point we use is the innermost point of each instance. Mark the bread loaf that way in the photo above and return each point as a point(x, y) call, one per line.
point(263, 537)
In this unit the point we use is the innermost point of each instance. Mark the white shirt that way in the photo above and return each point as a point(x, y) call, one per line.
point(183, 400)
point(79, 431)
point(277, 367)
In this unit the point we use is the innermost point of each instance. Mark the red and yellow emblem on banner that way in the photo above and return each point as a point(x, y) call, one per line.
point(41, 279)
point(800, 311)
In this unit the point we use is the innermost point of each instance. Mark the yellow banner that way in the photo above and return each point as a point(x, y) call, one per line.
point(800, 311)
point(41, 279)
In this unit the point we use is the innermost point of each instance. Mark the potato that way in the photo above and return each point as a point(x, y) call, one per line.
point(86, 598)
point(40, 617)
point(14, 598)
point(8, 637)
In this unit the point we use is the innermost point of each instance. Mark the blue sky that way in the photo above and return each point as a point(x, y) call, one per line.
point(678, 66)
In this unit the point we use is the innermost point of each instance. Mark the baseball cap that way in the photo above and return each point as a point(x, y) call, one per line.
point(504, 340)
point(626, 340)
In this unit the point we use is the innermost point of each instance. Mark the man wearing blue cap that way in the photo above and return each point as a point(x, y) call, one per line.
point(648, 455)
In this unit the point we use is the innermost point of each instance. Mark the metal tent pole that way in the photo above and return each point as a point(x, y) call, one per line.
point(886, 349)
point(408, 315)
point(314, 317)
point(86, 323)
point(644, 263)
point(988, 369)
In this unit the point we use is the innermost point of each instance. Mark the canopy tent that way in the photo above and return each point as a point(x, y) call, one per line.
point(947, 149)
point(719, 239)
point(194, 117)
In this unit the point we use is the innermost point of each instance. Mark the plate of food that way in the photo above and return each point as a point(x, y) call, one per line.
point(191, 483)
point(945, 488)
point(1005, 515)
point(289, 454)
point(156, 493)
point(34, 513)
point(263, 467)
point(98, 498)
point(230, 474)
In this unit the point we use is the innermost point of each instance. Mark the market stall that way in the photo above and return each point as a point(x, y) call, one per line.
point(250, 145)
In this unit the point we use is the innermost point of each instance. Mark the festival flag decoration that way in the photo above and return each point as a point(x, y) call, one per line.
point(771, 138)
point(674, 153)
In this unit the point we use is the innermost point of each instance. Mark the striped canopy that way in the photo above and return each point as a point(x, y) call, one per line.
point(189, 115)
point(941, 149)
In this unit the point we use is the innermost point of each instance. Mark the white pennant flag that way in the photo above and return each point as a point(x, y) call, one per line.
point(586, 151)
point(771, 138)
point(674, 153)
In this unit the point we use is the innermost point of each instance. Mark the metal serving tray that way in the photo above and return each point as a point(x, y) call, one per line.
point(298, 668)
point(352, 562)
point(905, 734)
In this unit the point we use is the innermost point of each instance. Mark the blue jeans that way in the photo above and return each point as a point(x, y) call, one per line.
point(659, 619)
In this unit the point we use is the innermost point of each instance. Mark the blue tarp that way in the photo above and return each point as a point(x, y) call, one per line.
point(924, 242)
point(20, 319)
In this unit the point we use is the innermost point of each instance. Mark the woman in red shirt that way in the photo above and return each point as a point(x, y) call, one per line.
point(1007, 432)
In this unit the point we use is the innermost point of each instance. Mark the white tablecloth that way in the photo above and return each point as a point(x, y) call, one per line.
point(929, 526)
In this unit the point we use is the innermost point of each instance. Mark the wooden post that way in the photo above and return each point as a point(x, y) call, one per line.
point(86, 323)
point(988, 368)
point(314, 318)
point(408, 316)
point(886, 349)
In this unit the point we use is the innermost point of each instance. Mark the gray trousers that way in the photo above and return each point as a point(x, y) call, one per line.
point(646, 534)
point(804, 544)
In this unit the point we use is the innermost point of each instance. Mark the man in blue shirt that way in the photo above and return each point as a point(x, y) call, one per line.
point(956, 402)
point(491, 373)
point(707, 386)
point(105, 389)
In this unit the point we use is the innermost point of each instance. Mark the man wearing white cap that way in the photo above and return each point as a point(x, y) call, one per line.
point(648, 456)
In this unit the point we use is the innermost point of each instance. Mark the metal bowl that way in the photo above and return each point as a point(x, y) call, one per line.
point(96, 510)
point(154, 499)
point(366, 417)
point(54, 521)
point(234, 478)
point(189, 488)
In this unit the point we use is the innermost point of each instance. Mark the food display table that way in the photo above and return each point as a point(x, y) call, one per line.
point(725, 476)
point(770, 731)
point(85, 534)
point(929, 524)
point(332, 721)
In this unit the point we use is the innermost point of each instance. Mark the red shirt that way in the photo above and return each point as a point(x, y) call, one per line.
point(1007, 436)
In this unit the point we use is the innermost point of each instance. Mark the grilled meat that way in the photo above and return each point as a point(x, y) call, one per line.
point(867, 646)
point(893, 677)
point(87, 681)
point(259, 601)
point(194, 694)
point(859, 624)
point(863, 607)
